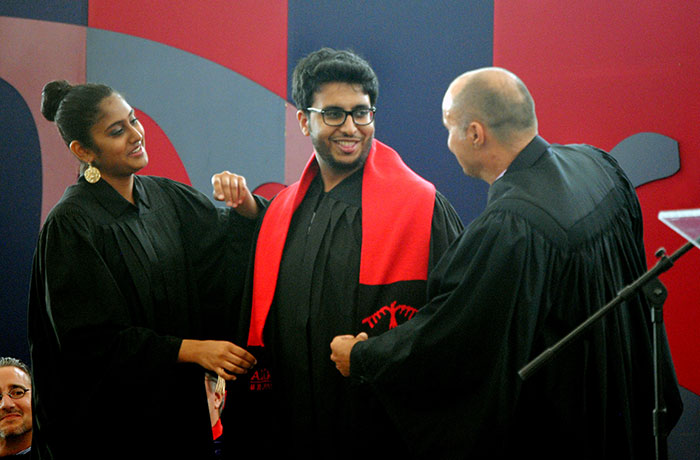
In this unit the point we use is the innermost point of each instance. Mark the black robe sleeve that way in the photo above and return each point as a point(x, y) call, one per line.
point(456, 351)
point(218, 243)
point(86, 312)
point(504, 294)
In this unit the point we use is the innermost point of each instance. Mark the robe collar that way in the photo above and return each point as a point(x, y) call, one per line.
point(111, 200)
point(529, 155)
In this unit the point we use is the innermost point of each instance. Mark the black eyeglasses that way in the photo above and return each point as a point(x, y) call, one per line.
point(336, 117)
point(16, 393)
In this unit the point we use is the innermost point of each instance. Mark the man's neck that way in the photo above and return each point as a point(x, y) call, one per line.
point(332, 177)
point(503, 155)
point(15, 444)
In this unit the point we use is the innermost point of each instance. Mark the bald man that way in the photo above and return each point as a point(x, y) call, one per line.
point(560, 236)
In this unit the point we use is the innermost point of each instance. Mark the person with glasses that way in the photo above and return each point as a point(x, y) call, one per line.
point(15, 408)
point(346, 249)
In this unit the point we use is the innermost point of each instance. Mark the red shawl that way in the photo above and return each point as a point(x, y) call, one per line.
point(397, 211)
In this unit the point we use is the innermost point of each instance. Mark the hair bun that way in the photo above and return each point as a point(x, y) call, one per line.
point(51, 97)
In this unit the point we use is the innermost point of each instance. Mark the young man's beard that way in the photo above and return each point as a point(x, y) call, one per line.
point(323, 150)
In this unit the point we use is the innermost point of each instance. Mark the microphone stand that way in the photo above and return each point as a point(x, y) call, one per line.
point(656, 293)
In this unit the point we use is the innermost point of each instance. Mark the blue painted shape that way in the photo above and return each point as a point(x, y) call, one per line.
point(646, 157)
point(215, 118)
point(20, 214)
point(416, 48)
point(68, 11)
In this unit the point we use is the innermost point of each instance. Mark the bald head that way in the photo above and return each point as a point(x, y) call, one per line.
point(496, 98)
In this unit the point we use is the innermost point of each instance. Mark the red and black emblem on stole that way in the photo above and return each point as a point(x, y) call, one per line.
point(392, 310)
point(260, 380)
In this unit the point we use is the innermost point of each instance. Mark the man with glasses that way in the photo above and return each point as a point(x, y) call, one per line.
point(347, 248)
point(15, 408)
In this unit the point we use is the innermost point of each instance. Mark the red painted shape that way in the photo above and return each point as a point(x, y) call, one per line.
point(602, 71)
point(269, 189)
point(246, 36)
point(163, 159)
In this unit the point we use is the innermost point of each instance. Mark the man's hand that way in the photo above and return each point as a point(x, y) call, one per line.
point(341, 346)
point(232, 189)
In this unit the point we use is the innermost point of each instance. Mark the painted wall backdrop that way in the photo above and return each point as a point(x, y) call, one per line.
point(210, 80)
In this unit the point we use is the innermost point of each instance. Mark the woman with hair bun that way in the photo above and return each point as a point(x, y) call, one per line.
point(135, 288)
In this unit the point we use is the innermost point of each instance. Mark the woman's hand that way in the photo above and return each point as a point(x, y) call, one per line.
point(224, 358)
point(232, 189)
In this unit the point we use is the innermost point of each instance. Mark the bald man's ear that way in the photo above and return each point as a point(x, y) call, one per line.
point(476, 134)
point(303, 119)
point(81, 152)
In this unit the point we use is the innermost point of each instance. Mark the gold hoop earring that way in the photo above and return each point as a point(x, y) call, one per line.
point(92, 174)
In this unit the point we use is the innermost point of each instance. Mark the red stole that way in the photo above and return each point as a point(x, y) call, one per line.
point(397, 212)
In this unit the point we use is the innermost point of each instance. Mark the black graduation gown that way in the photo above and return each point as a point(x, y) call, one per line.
point(315, 300)
point(560, 236)
point(115, 288)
